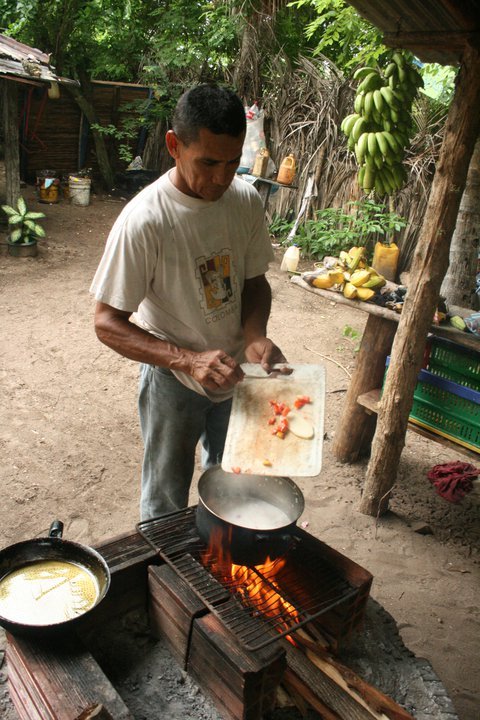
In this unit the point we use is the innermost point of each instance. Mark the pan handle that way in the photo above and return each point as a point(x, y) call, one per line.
point(56, 529)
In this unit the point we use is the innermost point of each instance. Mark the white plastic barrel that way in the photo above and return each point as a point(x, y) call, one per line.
point(290, 259)
point(79, 190)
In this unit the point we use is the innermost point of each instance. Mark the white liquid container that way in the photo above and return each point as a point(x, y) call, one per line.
point(290, 259)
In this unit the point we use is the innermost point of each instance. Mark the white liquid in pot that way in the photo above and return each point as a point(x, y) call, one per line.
point(47, 592)
point(256, 515)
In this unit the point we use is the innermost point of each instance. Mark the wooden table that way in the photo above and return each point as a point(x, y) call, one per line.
point(357, 424)
point(264, 186)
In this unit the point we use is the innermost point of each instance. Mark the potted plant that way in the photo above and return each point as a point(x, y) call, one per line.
point(22, 240)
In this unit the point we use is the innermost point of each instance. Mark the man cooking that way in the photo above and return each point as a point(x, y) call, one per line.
point(181, 288)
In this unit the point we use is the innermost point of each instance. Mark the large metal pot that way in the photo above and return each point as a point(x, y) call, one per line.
point(49, 583)
point(253, 517)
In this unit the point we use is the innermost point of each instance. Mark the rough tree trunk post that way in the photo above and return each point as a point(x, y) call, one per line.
point(355, 430)
point(9, 93)
point(103, 160)
point(459, 281)
point(429, 266)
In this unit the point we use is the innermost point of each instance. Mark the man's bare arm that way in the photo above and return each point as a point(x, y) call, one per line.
point(213, 369)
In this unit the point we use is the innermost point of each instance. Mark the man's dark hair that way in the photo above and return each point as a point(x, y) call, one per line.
point(214, 108)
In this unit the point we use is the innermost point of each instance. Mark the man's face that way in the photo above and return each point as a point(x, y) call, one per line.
point(206, 167)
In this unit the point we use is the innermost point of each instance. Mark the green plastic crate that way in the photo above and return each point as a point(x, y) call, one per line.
point(454, 362)
point(447, 409)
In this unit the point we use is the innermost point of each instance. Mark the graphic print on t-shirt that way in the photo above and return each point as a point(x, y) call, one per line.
point(216, 281)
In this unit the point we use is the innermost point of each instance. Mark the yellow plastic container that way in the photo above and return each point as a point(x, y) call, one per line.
point(286, 172)
point(385, 260)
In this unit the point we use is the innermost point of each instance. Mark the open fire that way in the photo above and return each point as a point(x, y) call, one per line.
point(311, 583)
point(257, 588)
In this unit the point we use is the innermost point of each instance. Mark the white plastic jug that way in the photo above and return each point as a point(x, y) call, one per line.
point(290, 259)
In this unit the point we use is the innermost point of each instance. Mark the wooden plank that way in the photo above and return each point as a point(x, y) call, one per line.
point(336, 297)
point(370, 401)
point(172, 606)
point(241, 684)
point(128, 557)
point(466, 339)
point(59, 680)
point(451, 42)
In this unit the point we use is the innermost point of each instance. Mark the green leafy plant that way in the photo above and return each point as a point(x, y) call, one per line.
point(354, 335)
point(279, 226)
point(335, 229)
point(26, 229)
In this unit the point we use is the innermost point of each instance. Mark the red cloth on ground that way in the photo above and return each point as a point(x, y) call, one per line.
point(453, 480)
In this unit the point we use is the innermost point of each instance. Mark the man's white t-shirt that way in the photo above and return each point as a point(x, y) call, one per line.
point(179, 264)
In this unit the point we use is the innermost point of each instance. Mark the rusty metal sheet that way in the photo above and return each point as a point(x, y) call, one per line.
point(250, 444)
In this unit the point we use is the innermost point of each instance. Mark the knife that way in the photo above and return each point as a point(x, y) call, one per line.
point(254, 371)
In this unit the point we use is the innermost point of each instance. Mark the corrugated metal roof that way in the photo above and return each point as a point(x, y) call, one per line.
point(27, 64)
point(434, 30)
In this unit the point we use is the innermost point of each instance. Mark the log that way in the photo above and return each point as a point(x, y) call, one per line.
point(428, 270)
point(322, 680)
point(9, 91)
point(319, 687)
point(356, 429)
point(95, 712)
point(301, 692)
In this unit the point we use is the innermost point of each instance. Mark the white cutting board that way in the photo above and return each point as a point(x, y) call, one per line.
point(249, 438)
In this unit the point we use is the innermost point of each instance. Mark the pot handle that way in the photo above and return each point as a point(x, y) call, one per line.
point(265, 537)
point(56, 529)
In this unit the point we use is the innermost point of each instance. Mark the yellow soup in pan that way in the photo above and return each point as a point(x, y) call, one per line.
point(46, 592)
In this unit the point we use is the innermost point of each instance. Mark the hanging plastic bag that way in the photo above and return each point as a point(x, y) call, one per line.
point(254, 139)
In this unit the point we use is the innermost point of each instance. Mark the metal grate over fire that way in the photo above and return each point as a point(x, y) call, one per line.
point(259, 605)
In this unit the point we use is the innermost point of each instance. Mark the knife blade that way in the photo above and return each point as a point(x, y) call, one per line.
point(254, 371)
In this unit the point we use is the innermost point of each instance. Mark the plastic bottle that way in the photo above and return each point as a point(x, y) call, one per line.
point(385, 260)
point(290, 259)
point(286, 172)
point(261, 163)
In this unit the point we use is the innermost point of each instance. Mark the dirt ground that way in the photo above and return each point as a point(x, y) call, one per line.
point(71, 448)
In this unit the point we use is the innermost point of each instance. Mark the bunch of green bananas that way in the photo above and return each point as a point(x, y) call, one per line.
point(380, 129)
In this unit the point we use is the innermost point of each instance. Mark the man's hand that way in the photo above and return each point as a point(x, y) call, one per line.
point(214, 369)
point(264, 351)
point(256, 303)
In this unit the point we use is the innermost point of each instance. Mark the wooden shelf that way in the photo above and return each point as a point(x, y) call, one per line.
point(370, 401)
point(466, 339)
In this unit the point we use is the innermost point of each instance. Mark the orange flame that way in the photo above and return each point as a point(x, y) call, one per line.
point(264, 595)
point(260, 593)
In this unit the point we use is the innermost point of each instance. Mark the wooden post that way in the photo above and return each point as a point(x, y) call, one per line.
point(12, 154)
point(429, 266)
point(356, 429)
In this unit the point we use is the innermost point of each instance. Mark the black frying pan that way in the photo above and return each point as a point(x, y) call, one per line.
point(44, 604)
